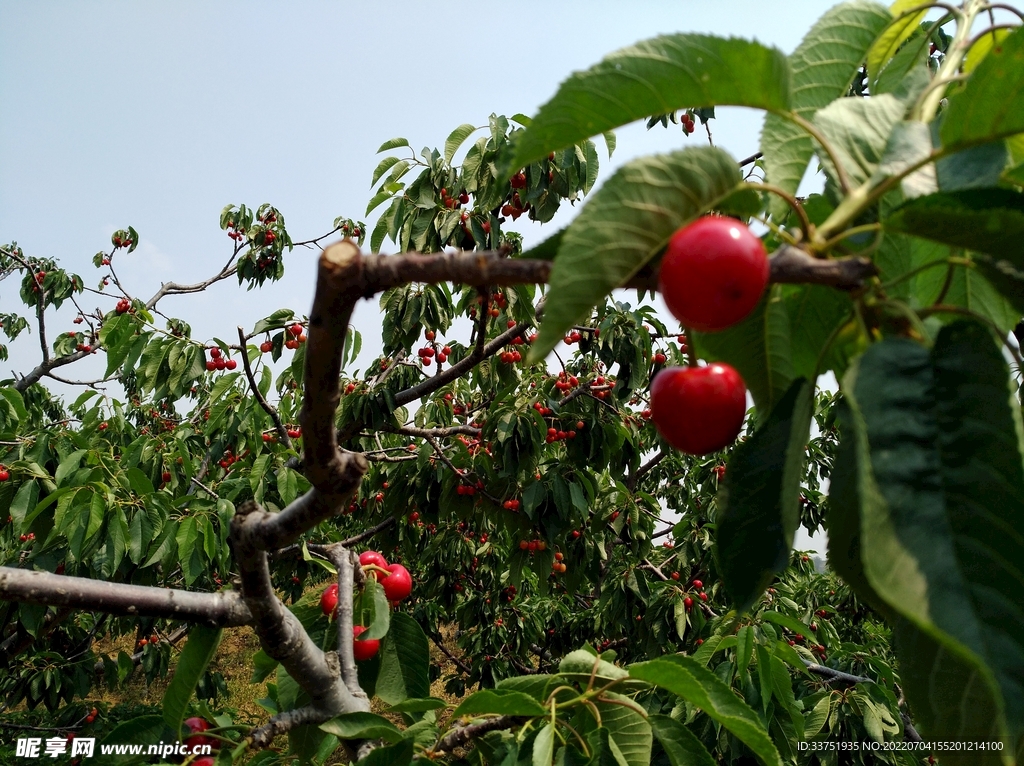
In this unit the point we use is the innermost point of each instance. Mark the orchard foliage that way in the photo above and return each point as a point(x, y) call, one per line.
point(613, 600)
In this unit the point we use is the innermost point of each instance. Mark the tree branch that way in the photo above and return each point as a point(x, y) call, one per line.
point(224, 609)
point(463, 734)
point(282, 432)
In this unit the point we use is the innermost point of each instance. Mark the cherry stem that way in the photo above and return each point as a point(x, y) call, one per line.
point(691, 355)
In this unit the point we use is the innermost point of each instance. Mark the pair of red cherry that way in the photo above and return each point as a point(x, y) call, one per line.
point(397, 584)
point(712, 276)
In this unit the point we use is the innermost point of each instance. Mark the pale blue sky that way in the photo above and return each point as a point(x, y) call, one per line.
point(157, 115)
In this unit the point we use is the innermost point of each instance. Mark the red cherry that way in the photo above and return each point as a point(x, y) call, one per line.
point(699, 409)
point(266, 346)
point(713, 273)
point(215, 352)
point(698, 585)
point(366, 558)
point(231, 364)
point(295, 329)
point(703, 596)
point(398, 584)
point(211, 366)
point(365, 648)
point(166, 476)
point(518, 180)
point(675, 575)
point(688, 603)
point(329, 600)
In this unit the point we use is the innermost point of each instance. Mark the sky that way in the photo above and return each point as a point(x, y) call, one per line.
point(159, 115)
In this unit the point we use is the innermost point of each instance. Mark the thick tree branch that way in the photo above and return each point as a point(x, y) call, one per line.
point(282, 723)
point(645, 469)
point(173, 288)
point(836, 675)
point(223, 609)
point(281, 635)
point(346, 562)
point(382, 272)
point(437, 433)
point(44, 368)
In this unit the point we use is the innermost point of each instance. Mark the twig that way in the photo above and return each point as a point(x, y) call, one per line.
point(462, 666)
point(463, 734)
point(282, 432)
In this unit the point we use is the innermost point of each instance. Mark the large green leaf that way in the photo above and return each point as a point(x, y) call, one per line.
point(629, 733)
point(680, 744)
point(946, 686)
point(991, 104)
point(624, 225)
point(889, 42)
point(363, 726)
point(656, 76)
point(758, 347)
point(814, 313)
point(858, 130)
point(404, 663)
point(989, 222)
point(199, 650)
point(823, 66)
point(759, 502)
point(499, 702)
point(943, 534)
point(690, 680)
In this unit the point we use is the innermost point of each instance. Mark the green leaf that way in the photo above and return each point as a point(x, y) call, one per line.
point(625, 224)
point(26, 497)
point(393, 143)
point(795, 625)
point(815, 720)
point(363, 726)
point(989, 222)
point(382, 168)
point(897, 33)
point(991, 104)
point(655, 76)
point(759, 348)
point(942, 514)
point(405, 657)
point(544, 746)
point(499, 702)
point(455, 140)
point(690, 680)
point(858, 130)
point(680, 744)
point(759, 502)
point(822, 66)
point(140, 483)
point(199, 650)
point(814, 313)
point(418, 705)
point(628, 731)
